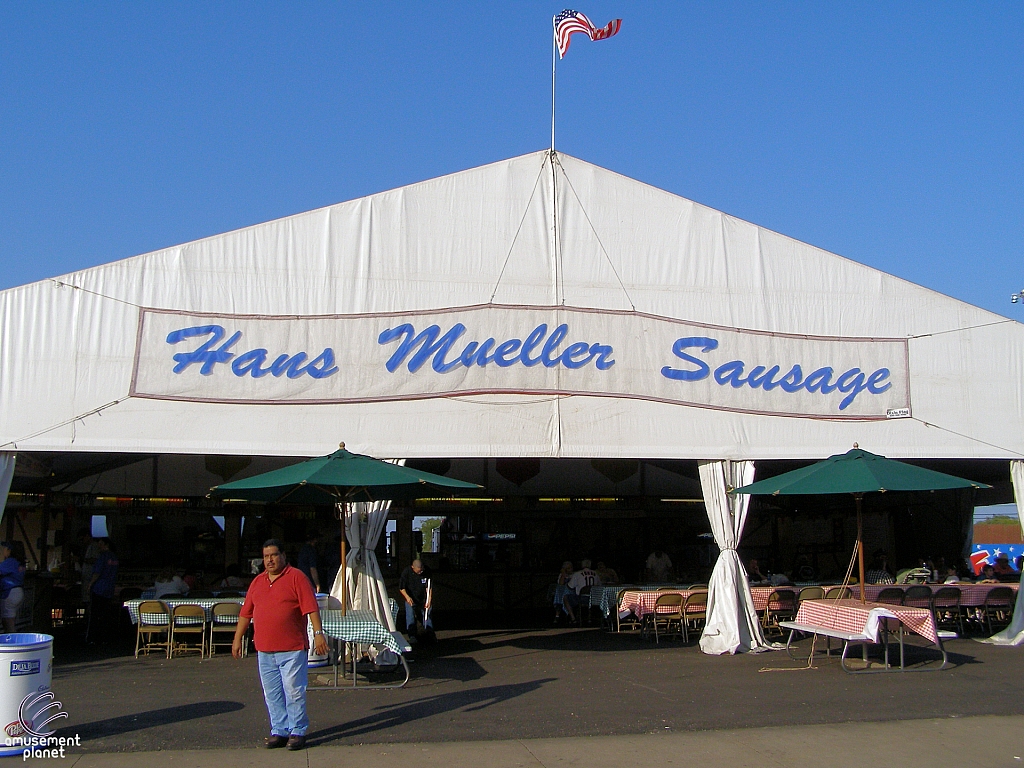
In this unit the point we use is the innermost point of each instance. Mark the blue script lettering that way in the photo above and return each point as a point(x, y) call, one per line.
point(415, 349)
point(820, 381)
point(207, 355)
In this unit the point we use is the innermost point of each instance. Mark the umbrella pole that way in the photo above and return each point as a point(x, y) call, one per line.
point(344, 566)
point(860, 543)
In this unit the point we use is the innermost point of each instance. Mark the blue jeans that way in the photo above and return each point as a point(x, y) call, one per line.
point(410, 617)
point(284, 676)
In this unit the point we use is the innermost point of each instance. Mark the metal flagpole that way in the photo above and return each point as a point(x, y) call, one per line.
point(554, 50)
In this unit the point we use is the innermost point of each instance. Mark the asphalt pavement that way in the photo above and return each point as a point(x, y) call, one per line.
point(563, 694)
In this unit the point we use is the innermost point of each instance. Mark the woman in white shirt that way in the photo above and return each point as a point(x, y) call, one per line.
point(169, 584)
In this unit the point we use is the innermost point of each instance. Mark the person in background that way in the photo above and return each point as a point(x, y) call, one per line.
point(88, 551)
point(566, 573)
point(188, 578)
point(583, 579)
point(12, 577)
point(414, 585)
point(606, 574)
point(879, 571)
point(307, 561)
point(101, 593)
point(658, 567)
point(1003, 568)
point(232, 577)
point(987, 575)
point(754, 574)
point(952, 577)
point(169, 584)
point(563, 578)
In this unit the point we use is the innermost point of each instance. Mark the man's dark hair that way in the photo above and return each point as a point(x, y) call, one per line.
point(273, 543)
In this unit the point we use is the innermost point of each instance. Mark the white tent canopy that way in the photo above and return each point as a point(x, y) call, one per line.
point(647, 285)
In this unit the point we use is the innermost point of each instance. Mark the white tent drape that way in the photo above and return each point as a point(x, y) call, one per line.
point(1014, 634)
point(732, 625)
point(7, 459)
point(364, 523)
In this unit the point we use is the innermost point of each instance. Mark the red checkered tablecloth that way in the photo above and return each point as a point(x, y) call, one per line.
point(761, 595)
point(642, 602)
point(971, 595)
point(850, 615)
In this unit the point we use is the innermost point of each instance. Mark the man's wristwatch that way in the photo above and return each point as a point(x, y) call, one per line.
point(317, 632)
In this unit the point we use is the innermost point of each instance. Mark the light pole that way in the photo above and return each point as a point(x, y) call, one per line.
point(1019, 296)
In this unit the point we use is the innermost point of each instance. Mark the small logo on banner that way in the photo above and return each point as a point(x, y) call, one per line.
point(25, 667)
point(897, 413)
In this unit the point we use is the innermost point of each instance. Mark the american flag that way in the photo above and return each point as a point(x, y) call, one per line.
point(568, 23)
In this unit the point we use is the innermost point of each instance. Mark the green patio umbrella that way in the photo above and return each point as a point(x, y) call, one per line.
point(856, 472)
point(340, 478)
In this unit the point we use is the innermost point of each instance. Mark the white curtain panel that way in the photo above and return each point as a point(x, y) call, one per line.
point(1014, 634)
point(7, 459)
point(364, 523)
point(732, 625)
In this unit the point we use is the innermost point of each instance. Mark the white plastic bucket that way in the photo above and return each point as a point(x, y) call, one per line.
point(314, 659)
point(26, 664)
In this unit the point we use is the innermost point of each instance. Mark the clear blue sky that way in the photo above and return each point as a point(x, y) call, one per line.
point(890, 133)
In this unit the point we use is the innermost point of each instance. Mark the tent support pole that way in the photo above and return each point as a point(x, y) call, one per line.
point(859, 497)
point(343, 508)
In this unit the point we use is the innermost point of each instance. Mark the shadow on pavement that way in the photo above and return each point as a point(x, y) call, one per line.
point(142, 720)
point(442, 668)
point(391, 717)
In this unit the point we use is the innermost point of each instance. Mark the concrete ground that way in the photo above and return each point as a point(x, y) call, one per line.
point(558, 697)
point(988, 741)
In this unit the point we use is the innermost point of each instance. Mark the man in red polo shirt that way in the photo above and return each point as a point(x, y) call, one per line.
point(277, 603)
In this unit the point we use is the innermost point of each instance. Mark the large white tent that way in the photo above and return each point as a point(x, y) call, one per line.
point(537, 307)
point(648, 286)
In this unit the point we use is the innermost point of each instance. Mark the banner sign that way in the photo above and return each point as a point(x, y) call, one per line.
point(501, 349)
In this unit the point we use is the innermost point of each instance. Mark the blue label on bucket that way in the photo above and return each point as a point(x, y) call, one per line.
point(25, 667)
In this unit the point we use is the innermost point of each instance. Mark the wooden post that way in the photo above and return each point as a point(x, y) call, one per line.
point(859, 497)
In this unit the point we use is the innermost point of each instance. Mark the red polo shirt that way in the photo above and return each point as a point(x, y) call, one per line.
point(278, 610)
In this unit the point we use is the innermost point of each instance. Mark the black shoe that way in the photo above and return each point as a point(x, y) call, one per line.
point(296, 742)
point(275, 742)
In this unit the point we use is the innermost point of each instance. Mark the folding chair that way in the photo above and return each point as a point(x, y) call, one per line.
point(838, 593)
point(781, 606)
point(224, 621)
point(890, 596)
point(584, 606)
point(154, 619)
point(695, 612)
point(918, 596)
point(946, 609)
point(668, 610)
point(810, 593)
point(999, 606)
point(628, 624)
point(188, 621)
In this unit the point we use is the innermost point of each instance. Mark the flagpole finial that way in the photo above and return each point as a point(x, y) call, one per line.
point(342, 446)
